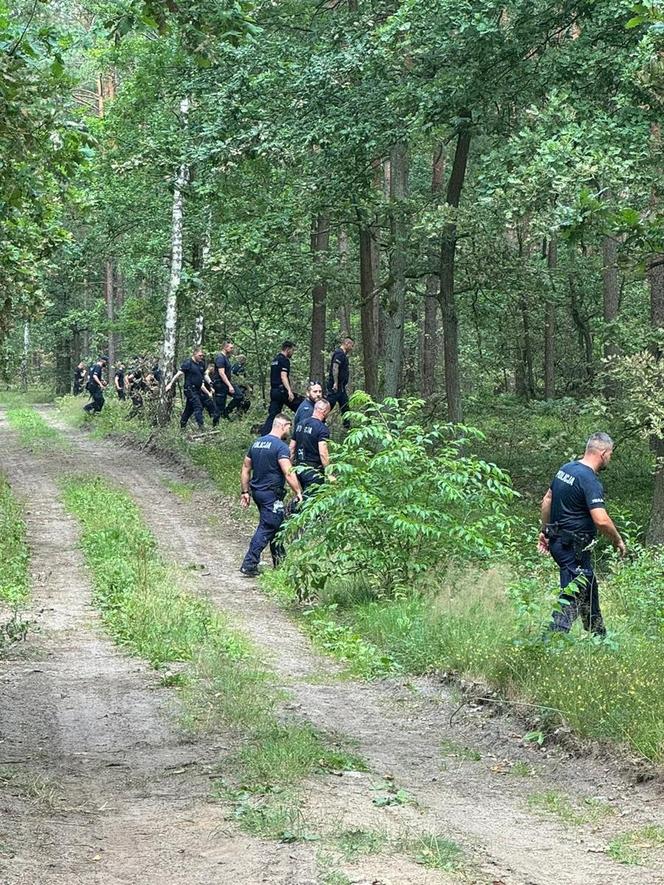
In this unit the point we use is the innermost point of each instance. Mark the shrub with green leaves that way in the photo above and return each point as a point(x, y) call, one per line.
point(402, 498)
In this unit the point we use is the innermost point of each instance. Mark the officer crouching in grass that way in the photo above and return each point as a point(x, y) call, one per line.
point(573, 510)
point(265, 471)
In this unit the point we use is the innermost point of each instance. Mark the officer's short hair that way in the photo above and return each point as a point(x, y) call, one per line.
point(287, 344)
point(599, 442)
point(282, 419)
point(347, 338)
point(313, 384)
point(322, 404)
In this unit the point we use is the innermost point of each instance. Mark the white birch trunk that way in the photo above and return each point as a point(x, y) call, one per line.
point(170, 325)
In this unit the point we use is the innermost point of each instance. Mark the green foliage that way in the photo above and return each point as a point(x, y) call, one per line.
point(404, 498)
point(14, 578)
point(634, 847)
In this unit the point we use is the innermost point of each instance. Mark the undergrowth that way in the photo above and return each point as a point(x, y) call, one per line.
point(14, 562)
point(34, 432)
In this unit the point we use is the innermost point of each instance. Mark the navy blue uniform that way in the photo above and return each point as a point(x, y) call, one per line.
point(267, 490)
point(576, 490)
point(340, 396)
point(79, 375)
point(221, 392)
point(121, 384)
point(95, 390)
point(308, 434)
point(196, 398)
point(304, 410)
point(278, 393)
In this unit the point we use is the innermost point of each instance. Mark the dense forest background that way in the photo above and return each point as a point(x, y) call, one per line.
point(471, 189)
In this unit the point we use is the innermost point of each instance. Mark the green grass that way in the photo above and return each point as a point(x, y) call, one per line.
point(146, 608)
point(34, 432)
point(436, 852)
point(354, 844)
point(633, 847)
point(33, 395)
point(452, 748)
point(183, 490)
point(14, 555)
point(577, 813)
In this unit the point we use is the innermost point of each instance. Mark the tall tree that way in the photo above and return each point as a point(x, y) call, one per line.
point(448, 249)
point(431, 293)
point(395, 303)
point(320, 243)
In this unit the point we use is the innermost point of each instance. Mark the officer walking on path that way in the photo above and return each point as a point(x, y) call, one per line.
point(339, 376)
point(197, 389)
point(306, 407)
point(223, 386)
point(96, 386)
point(281, 392)
point(309, 447)
point(265, 471)
point(573, 510)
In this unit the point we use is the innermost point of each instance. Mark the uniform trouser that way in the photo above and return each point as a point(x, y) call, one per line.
point(341, 397)
point(271, 511)
point(77, 389)
point(310, 480)
point(122, 394)
point(97, 402)
point(196, 401)
point(580, 594)
point(220, 397)
point(278, 399)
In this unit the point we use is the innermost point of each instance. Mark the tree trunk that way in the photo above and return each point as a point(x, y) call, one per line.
point(550, 324)
point(109, 298)
point(582, 325)
point(395, 306)
point(367, 311)
point(431, 293)
point(656, 283)
point(171, 321)
point(447, 268)
point(320, 243)
point(345, 324)
point(25, 358)
point(201, 259)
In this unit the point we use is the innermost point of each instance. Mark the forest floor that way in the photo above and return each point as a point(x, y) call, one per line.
point(100, 783)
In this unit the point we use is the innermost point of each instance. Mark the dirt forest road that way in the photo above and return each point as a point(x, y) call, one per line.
point(99, 785)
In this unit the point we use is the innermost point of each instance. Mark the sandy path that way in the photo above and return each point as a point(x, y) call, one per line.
point(97, 784)
point(398, 726)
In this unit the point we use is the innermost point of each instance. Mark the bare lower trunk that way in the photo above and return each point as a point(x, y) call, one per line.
point(109, 298)
point(170, 325)
point(447, 269)
point(367, 311)
point(550, 325)
point(199, 322)
point(395, 305)
point(320, 242)
point(429, 351)
point(25, 358)
point(656, 283)
point(345, 309)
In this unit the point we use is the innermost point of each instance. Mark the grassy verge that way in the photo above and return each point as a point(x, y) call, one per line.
point(146, 608)
point(17, 398)
point(480, 626)
point(14, 560)
point(34, 432)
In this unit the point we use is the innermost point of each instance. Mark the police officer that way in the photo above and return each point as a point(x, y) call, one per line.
point(306, 407)
point(79, 378)
point(266, 469)
point(197, 389)
point(339, 376)
point(573, 510)
point(309, 447)
point(120, 382)
point(239, 367)
point(281, 392)
point(223, 386)
point(96, 385)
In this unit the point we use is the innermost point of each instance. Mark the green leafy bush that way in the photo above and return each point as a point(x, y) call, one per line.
point(405, 497)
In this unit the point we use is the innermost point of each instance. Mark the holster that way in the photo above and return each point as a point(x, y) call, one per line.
point(579, 541)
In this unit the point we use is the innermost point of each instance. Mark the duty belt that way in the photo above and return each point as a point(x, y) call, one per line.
point(580, 541)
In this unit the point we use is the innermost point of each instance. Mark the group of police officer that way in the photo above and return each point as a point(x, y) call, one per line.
point(573, 509)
